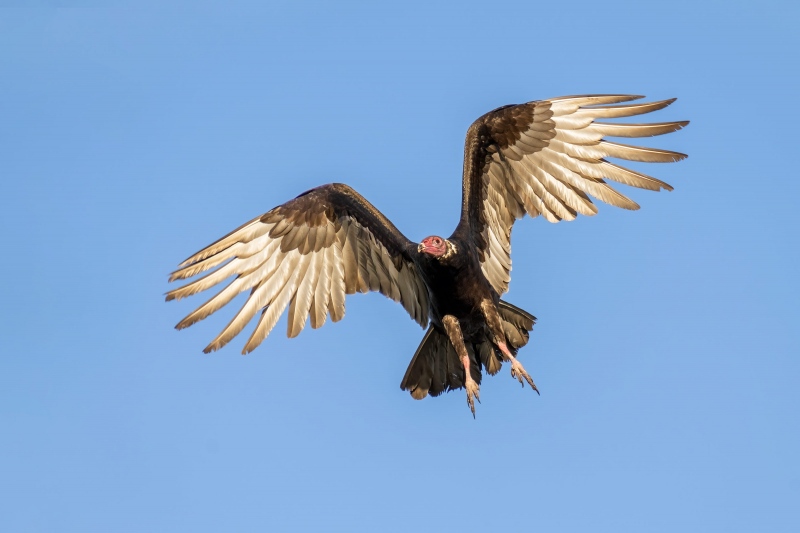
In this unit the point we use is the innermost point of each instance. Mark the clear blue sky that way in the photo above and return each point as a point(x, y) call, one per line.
point(134, 133)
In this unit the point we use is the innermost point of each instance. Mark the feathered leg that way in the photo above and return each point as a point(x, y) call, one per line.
point(496, 328)
point(453, 330)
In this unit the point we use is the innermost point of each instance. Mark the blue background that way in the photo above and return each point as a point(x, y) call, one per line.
point(134, 133)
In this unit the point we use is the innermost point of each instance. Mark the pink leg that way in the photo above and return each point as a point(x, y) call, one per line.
point(453, 330)
point(517, 370)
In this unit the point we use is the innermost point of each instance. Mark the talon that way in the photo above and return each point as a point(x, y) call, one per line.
point(518, 372)
point(473, 393)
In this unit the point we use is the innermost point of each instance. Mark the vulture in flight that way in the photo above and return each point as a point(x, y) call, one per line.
point(547, 157)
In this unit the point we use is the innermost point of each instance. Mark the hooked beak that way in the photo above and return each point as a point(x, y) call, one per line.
point(423, 249)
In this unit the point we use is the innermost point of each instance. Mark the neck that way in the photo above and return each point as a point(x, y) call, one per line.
point(451, 250)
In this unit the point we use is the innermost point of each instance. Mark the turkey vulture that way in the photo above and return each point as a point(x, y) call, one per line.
point(544, 158)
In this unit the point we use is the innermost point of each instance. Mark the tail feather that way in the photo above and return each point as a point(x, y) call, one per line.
point(490, 359)
point(516, 316)
point(435, 367)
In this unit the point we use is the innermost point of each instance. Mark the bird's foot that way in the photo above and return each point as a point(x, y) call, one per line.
point(473, 393)
point(518, 371)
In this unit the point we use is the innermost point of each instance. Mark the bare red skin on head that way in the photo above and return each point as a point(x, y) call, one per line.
point(433, 245)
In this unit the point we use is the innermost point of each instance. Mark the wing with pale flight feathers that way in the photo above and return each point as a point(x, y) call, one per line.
point(547, 158)
point(306, 254)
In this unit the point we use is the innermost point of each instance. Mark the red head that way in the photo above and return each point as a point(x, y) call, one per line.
point(433, 245)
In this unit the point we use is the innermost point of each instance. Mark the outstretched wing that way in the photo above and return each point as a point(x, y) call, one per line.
point(546, 158)
point(307, 254)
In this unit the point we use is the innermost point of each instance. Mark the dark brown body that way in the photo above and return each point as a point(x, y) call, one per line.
point(457, 286)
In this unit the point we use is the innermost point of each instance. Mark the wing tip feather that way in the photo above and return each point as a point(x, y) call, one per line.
point(185, 323)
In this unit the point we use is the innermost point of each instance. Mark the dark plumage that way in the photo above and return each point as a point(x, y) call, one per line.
point(541, 158)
